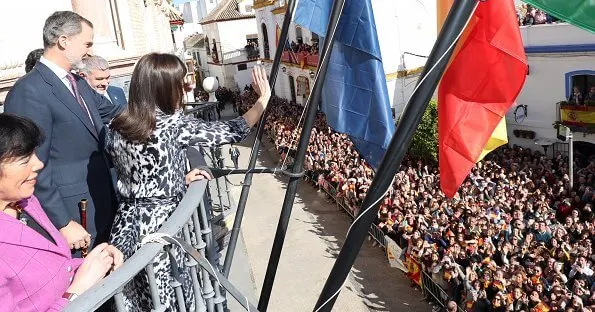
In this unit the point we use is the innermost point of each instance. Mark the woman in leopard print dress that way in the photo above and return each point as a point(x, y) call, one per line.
point(147, 143)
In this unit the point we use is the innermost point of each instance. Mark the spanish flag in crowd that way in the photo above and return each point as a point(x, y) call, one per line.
point(484, 77)
point(413, 269)
point(541, 307)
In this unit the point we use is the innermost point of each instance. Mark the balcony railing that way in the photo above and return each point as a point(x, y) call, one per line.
point(192, 221)
point(187, 217)
point(300, 58)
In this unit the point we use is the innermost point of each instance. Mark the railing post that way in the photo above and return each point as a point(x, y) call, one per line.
point(211, 252)
point(215, 161)
point(176, 284)
point(157, 305)
point(191, 263)
point(225, 180)
point(201, 245)
point(208, 195)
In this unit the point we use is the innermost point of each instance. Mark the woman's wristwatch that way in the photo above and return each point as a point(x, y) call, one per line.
point(69, 296)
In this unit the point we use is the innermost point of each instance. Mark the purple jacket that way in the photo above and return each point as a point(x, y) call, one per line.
point(34, 273)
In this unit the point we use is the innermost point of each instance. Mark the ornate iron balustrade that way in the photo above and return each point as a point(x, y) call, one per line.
point(192, 222)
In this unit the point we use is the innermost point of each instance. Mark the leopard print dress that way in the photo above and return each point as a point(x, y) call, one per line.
point(150, 186)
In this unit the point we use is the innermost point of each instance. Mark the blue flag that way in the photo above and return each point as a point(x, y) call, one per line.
point(354, 98)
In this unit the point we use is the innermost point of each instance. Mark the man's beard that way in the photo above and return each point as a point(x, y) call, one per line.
point(76, 62)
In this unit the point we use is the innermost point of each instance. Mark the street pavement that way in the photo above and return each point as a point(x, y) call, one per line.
point(315, 234)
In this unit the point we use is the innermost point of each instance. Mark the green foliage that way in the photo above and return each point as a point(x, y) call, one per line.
point(425, 140)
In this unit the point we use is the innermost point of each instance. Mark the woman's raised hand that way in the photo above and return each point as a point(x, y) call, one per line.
point(260, 82)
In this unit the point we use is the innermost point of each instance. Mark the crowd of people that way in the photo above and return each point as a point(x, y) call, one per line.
point(298, 47)
point(516, 237)
point(530, 15)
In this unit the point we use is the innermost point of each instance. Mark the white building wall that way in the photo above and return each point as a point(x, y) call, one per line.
point(143, 29)
point(544, 87)
point(233, 33)
point(244, 77)
point(204, 58)
point(212, 32)
point(555, 34)
point(546, 82)
point(209, 5)
point(405, 26)
point(217, 71)
point(402, 26)
point(15, 44)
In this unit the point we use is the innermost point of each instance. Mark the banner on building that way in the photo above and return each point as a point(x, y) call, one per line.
point(394, 254)
point(580, 116)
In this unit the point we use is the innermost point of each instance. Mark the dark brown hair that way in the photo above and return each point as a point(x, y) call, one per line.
point(157, 83)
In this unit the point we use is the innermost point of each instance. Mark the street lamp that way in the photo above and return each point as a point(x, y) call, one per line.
point(544, 143)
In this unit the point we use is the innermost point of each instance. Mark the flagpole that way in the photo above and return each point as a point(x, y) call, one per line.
point(297, 170)
point(412, 115)
point(237, 223)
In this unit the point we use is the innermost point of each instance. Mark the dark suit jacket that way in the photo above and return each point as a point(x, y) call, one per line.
point(75, 164)
point(117, 95)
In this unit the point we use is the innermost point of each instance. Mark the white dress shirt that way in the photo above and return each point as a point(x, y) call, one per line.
point(62, 73)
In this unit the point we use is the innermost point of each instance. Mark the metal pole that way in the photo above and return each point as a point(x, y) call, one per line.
point(237, 223)
point(297, 170)
point(571, 158)
point(214, 160)
point(437, 61)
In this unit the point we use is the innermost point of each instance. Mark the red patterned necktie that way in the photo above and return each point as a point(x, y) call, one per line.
point(78, 97)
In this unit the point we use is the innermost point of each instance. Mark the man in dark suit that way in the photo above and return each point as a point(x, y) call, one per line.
point(95, 70)
point(72, 117)
point(234, 152)
point(116, 95)
point(97, 73)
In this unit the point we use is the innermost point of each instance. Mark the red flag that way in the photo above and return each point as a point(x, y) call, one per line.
point(480, 85)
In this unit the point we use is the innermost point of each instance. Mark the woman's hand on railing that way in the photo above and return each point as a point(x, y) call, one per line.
point(96, 265)
point(197, 174)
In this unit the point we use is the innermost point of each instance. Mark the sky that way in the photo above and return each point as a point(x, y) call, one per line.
point(176, 2)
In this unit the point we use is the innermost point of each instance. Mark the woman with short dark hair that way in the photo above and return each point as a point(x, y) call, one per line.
point(37, 271)
point(148, 143)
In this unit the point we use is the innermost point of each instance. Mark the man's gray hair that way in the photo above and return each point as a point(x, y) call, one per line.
point(93, 62)
point(62, 23)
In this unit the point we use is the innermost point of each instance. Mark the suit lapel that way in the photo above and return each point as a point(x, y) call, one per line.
point(86, 94)
point(14, 232)
point(65, 96)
